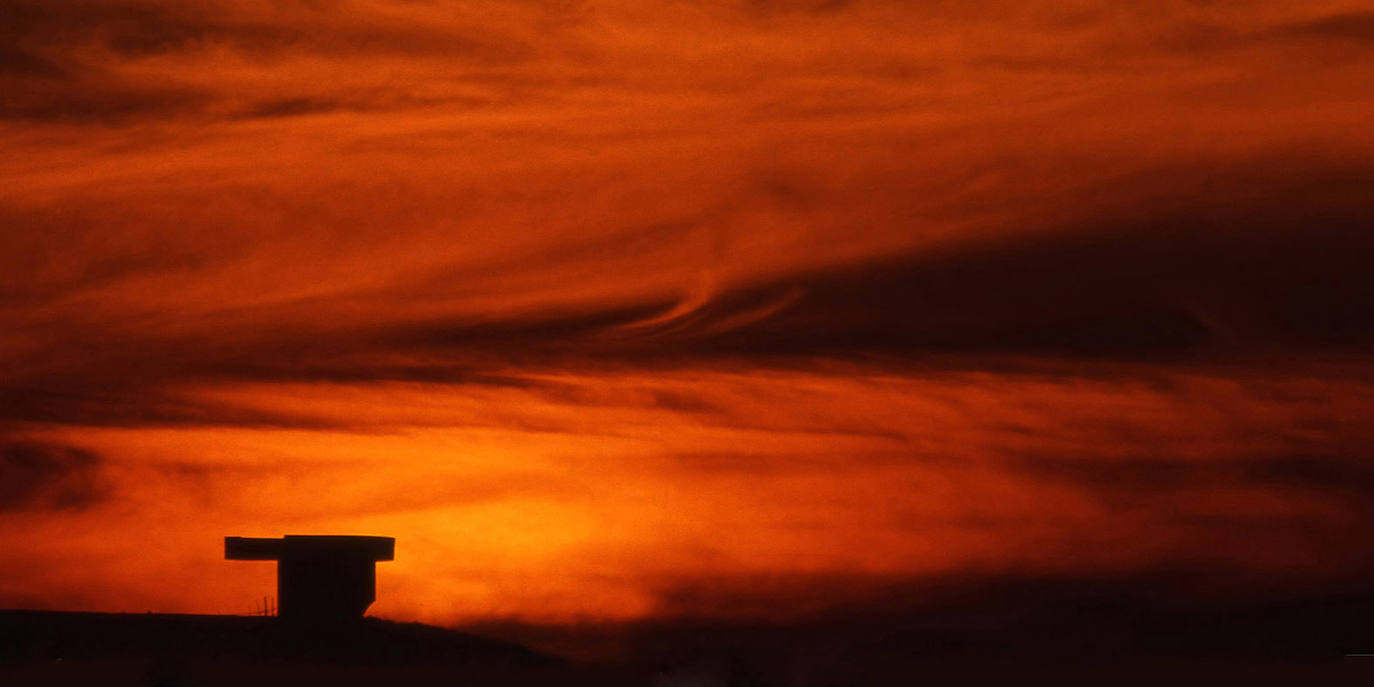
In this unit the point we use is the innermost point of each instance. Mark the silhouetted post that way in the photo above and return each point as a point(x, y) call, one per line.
point(320, 578)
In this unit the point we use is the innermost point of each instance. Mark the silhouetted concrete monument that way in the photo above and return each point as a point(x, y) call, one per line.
point(320, 578)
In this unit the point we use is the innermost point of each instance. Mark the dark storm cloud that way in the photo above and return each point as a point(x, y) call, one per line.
point(132, 29)
point(1238, 264)
point(1231, 268)
point(86, 103)
point(48, 77)
point(148, 29)
point(137, 406)
point(77, 62)
point(368, 101)
point(47, 476)
point(49, 74)
point(1237, 267)
point(1350, 26)
point(16, 61)
point(1135, 481)
point(290, 107)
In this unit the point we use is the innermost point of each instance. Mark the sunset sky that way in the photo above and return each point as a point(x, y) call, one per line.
point(627, 309)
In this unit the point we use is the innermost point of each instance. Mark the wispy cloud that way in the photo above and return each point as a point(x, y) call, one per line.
point(881, 288)
point(44, 476)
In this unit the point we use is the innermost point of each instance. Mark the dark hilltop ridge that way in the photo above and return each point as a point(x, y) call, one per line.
point(67, 636)
point(1136, 630)
point(51, 647)
point(325, 583)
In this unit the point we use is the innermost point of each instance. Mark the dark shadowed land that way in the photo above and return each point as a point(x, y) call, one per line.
point(965, 631)
point(44, 648)
point(1135, 630)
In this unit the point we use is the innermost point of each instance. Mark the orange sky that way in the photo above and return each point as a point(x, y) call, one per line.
point(624, 309)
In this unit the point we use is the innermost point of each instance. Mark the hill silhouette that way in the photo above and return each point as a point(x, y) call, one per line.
point(166, 650)
point(1000, 630)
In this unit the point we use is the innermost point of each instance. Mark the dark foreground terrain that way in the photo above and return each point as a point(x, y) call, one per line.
point(54, 648)
point(1002, 637)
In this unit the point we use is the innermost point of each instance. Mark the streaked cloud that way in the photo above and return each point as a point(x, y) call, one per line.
point(883, 290)
point(44, 476)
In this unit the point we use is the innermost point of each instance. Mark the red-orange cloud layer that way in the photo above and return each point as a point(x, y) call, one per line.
point(611, 310)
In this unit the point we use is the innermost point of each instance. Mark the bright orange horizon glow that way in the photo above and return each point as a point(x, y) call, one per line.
point(603, 498)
